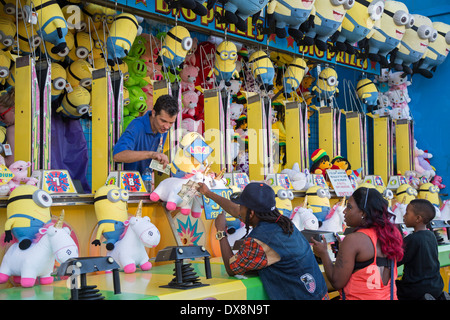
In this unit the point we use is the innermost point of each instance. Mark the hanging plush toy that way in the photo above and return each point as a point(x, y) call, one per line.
point(293, 76)
point(321, 162)
point(387, 36)
point(195, 5)
point(326, 86)
point(262, 69)
point(225, 63)
point(367, 92)
point(175, 47)
point(5, 65)
point(283, 201)
point(290, 14)
point(75, 104)
point(81, 48)
point(53, 242)
point(327, 20)
point(122, 33)
point(358, 22)
point(27, 38)
point(138, 100)
point(436, 53)
point(238, 11)
point(8, 29)
point(59, 80)
point(95, 15)
point(51, 24)
point(28, 209)
point(110, 205)
point(79, 73)
point(413, 44)
point(137, 70)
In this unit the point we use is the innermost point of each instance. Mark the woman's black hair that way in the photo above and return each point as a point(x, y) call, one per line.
point(274, 217)
point(372, 203)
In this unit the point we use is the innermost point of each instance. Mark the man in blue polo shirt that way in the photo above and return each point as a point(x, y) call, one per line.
point(144, 138)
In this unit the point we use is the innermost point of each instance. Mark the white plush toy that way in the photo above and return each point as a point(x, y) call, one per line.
point(336, 222)
point(304, 218)
point(298, 178)
point(130, 250)
point(38, 261)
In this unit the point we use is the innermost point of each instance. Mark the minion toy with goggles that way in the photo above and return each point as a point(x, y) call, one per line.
point(291, 14)
point(413, 44)
point(79, 74)
point(405, 193)
point(326, 86)
point(387, 194)
point(75, 104)
point(81, 46)
point(319, 202)
point(51, 22)
point(327, 20)
point(430, 192)
point(59, 80)
point(175, 47)
point(111, 209)
point(388, 34)
point(293, 76)
point(283, 200)
point(262, 69)
point(27, 210)
point(46, 47)
point(358, 23)
point(367, 91)
point(27, 38)
point(95, 15)
point(122, 33)
point(437, 51)
point(7, 33)
point(5, 65)
point(8, 10)
point(225, 63)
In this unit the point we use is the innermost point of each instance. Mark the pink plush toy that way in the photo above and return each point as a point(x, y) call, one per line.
point(20, 170)
point(421, 166)
point(188, 77)
point(192, 125)
point(437, 181)
point(190, 100)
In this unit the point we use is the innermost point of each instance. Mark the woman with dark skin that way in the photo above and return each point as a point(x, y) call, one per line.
point(358, 270)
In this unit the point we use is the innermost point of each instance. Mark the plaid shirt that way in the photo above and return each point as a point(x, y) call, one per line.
point(251, 256)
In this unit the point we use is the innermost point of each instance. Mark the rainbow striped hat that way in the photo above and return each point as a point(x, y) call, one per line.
point(318, 154)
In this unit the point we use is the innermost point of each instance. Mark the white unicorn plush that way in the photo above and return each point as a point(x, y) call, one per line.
point(38, 261)
point(445, 211)
point(336, 221)
point(168, 191)
point(130, 250)
point(304, 218)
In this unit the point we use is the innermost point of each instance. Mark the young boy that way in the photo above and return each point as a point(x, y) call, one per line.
point(421, 277)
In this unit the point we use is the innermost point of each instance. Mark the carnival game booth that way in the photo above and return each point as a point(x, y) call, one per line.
point(314, 103)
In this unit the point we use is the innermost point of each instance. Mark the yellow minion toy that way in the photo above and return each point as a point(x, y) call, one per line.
point(387, 35)
point(262, 69)
point(367, 91)
point(59, 80)
point(5, 64)
point(429, 192)
point(326, 86)
point(95, 15)
point(111, 209)
point(27, 210)
point(7, 33)
point(175, 46)
point(413, 44)
point(225, 63)
point(60, 56)
point(405, 193)
point(319, 202)
point(122, 33)
point(75, 103)
point(79, 73)
point(293, 76)
point(283, 199)
point(27, 38)
point(82, 43)
point(437, 51)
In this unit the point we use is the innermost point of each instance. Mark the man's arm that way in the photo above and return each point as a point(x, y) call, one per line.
point(226, 204)
point(128, 156)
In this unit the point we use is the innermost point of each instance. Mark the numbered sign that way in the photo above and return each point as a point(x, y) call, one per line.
point(240, 180)
point(127, 180)
point(284, 181)
point(212, 209)
point(375, 180)
point(317, 180)
point(396, 181)
point(54, 181)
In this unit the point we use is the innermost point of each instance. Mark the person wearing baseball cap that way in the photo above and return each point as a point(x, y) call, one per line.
point(274, 247)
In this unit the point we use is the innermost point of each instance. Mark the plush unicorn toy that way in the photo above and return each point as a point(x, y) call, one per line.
point(53, 242)
point(130, 250)
point(304, 218)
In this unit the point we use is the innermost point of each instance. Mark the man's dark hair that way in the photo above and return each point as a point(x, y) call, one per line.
point(423, 208)
point(273, 216)
point(167, 103)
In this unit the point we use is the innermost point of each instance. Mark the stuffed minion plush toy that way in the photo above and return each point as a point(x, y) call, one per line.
point(293, 76)
point(175, 47)
point(319, 202)
point(7, 33)
point(122, 33)
point(75, 103)
point(59, 80)
point(262, 69)
point(321, 162)
point(79, 73)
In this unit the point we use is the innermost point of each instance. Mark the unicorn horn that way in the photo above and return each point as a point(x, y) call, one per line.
point(59, 224)
point(305, 202)
point(221, 174)
point(139, 210)
point(343, 202)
